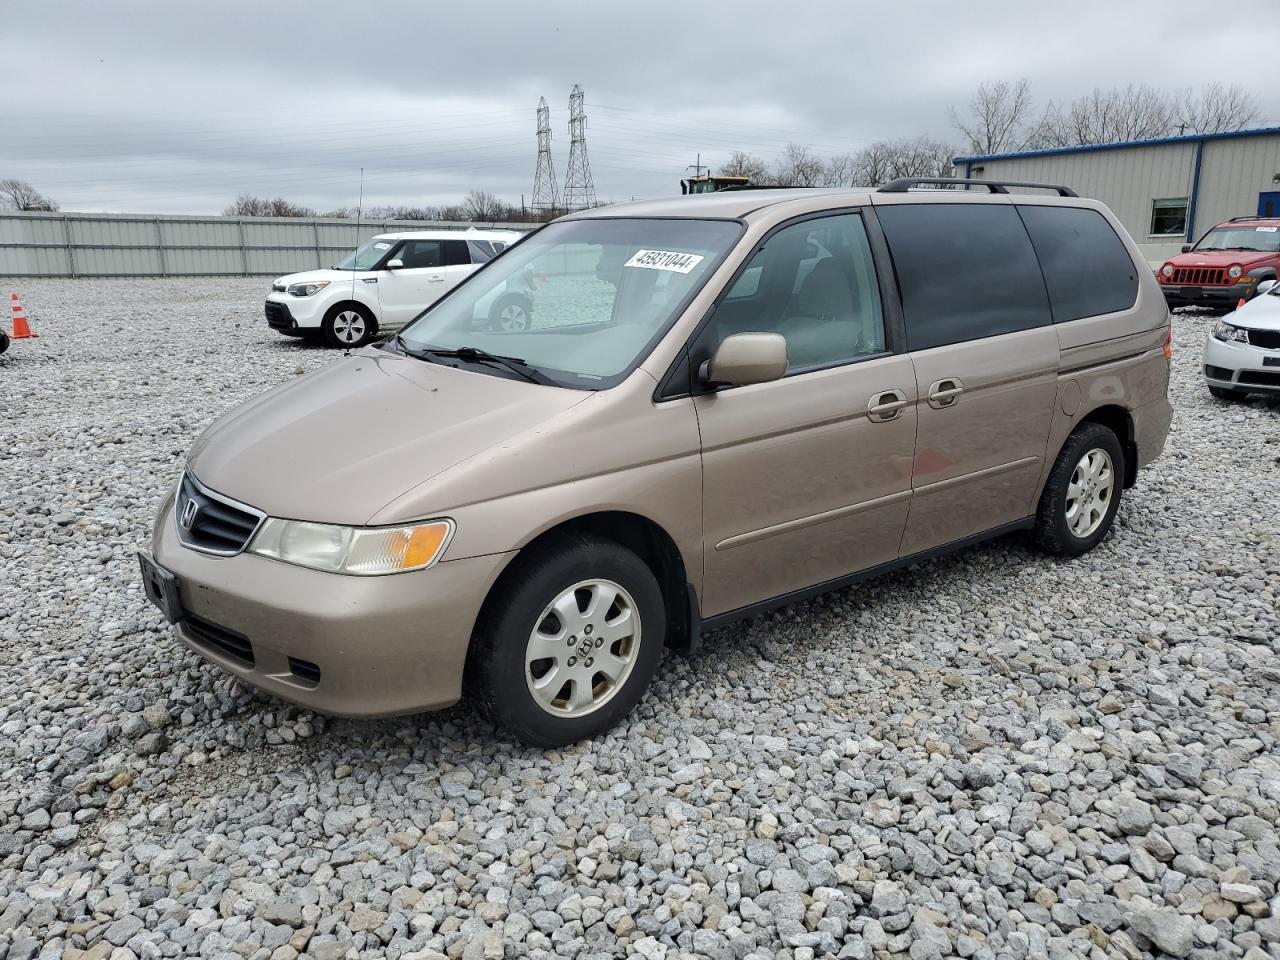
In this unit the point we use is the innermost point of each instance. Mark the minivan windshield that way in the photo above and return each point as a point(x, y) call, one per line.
point(580, 302)
point(366, 256)
point(1238, 237)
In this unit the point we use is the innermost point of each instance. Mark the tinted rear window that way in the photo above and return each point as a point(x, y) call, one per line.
point(456, 253)
point(965, 271)
point(1086, 267)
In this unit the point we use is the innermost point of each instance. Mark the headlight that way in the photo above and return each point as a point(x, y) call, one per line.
point(1234, 270)
point(1226, 332)
point(1167, 270)
point(359, 551)
point(306, 289)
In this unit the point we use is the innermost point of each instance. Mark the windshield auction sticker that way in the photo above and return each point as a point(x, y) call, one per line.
point(664, 260)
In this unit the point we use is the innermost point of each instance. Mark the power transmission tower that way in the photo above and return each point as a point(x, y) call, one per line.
point(544, 178)
point(579, 191)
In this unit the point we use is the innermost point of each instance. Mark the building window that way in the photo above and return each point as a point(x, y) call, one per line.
point(1169, 217)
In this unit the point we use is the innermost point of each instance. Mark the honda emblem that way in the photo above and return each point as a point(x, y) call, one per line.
point(189, 511)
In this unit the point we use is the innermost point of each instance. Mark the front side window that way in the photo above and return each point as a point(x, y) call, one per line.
point(597, 293)
point(965, 271)
point(814, 282)
point(1261, 239)
point(419, 254)
point(1169, 217)
point(1087, 268)
point(366, 256)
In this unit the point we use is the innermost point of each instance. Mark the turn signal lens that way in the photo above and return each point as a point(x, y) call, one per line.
point(1168, 344)
point(356, 551)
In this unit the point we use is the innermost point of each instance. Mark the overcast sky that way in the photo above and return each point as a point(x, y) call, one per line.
point(177, 108)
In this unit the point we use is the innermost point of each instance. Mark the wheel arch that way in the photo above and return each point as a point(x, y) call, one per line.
point(349, 303)
point(648, 540)
point(1120, 422)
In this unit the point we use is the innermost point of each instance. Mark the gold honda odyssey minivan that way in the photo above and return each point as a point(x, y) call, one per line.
point(719, 404)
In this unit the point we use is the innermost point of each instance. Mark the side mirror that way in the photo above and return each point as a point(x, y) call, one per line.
point(1266, 286)
point(395, 264)
point(1186, 248)
point(746, 358)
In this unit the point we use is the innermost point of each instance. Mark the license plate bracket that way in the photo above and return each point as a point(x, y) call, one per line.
point(161, 587)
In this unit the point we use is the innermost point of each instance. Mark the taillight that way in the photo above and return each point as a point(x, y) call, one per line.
point(1168, 343)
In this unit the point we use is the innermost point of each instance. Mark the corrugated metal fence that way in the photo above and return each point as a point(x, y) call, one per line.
point(125, 245)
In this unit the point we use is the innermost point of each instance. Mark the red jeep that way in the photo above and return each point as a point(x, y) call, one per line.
point(1228, 263)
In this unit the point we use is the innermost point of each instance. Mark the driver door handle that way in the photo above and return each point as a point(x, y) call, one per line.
point(434, 278)
point(945, 393)
point(886, 406)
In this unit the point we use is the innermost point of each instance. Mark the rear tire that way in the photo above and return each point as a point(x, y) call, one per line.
point(511, 313)
point(1082, 495)
point(1226, 393)
point(596, 611)
point(348, 326)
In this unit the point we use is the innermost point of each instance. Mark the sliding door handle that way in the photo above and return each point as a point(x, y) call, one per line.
point(945, 393)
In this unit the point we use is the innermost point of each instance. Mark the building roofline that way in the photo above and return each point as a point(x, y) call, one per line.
point(1122, 145)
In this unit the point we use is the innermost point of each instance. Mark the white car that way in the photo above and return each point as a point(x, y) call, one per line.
point(1242, 354)
point(382, 286)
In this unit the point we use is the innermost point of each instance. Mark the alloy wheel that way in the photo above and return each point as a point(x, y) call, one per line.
point(1089, 492)
point(582, 648)
point(349, 326)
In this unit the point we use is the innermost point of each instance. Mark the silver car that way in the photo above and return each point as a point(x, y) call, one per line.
point(1242, 353)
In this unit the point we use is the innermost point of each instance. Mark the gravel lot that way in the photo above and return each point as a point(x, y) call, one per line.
point(991, 755)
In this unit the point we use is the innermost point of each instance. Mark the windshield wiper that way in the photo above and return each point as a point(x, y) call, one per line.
point(514, 364)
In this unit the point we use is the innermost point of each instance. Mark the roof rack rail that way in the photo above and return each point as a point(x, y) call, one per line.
point(1256, 216)
point(904, 184)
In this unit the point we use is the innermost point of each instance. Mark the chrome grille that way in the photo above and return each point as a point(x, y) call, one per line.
point(212, 523)
point(1201, 275)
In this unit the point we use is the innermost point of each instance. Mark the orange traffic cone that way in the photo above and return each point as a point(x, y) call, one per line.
point(21, 329)
point(1240, 304)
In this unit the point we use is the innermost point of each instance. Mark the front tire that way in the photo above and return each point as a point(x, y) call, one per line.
point(1082, 495)
point(348, 326)
point(1226, 393)
point(569, 643)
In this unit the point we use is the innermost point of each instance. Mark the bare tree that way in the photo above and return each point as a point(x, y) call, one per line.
point(906, 157)
point(746, 165)
point(247, 205)
point(840, 171)
point(797, 167)
point(1135, 112)
point(1214, 109)
point(482, 205)
point(20, 195)
point(998, 117)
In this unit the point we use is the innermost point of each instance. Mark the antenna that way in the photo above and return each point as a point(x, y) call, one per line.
point(579, 191)
point(359, 207)
point(544, 178)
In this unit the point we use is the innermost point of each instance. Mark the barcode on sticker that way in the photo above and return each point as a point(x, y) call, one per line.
point(671, 260)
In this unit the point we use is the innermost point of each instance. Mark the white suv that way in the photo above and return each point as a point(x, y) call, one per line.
point(382, 286)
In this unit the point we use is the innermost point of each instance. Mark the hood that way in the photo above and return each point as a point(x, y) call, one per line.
point(1220, 258)
point(336, 445)
point(1260, 313)
point(312, 276)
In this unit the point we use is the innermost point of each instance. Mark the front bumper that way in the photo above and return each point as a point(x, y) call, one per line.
point(292, 315)
point(1241, 366)
point(1227, 295)
point(342, 645)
